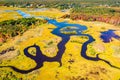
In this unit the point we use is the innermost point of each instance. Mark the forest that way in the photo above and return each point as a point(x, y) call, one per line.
point(107, 15)
point(12, 28)
point(89, 10)
point(60, 4)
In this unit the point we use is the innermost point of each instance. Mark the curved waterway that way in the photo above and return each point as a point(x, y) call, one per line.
point(41, 58)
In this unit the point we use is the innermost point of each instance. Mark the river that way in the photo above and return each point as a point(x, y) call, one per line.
point(40, 58)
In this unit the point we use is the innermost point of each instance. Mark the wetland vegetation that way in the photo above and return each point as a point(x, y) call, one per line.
point(12, 28)
point(50, 38)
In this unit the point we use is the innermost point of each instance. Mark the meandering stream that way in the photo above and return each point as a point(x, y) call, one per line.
point(40, 58)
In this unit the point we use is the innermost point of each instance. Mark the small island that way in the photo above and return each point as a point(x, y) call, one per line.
point(68, 30)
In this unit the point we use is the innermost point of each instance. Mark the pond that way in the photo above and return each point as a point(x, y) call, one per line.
point(107, 36)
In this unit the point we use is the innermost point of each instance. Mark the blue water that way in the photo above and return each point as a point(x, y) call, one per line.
point(41, 58)
point(8, 10)
point(108, 35)
point(24, 14)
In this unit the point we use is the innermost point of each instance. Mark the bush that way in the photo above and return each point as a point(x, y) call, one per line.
point(12, 28)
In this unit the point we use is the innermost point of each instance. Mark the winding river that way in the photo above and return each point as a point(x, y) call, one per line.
point(40, 58)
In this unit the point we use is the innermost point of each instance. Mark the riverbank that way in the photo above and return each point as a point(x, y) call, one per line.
point(73, 64)
point(70, 61)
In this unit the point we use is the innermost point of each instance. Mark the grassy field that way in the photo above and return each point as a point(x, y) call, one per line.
point(7, 13)
point(78, 69)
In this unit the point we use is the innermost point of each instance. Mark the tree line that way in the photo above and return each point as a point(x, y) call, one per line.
point(12, 28)
point(107, 15)
point(60, 3)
